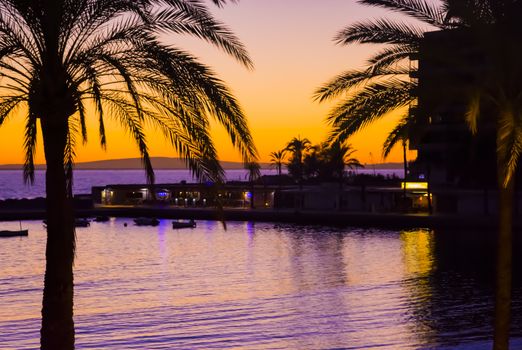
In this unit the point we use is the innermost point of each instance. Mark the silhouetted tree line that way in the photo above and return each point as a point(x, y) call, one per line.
point(322, 162)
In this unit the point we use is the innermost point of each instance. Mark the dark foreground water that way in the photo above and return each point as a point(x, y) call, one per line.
point(260, 286)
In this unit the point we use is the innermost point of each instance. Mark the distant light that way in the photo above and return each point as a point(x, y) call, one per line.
point(421, 176)
point(248, 195)
point(414, 185)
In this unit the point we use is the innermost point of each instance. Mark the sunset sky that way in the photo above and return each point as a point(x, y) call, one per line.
point(290, 42)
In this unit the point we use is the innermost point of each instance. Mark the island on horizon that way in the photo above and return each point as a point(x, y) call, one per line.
point(165, 163)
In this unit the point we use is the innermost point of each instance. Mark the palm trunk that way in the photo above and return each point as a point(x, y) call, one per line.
point(57, 312)
point(504, 263)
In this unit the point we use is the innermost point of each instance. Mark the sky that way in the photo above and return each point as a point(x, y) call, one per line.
point(291, 44)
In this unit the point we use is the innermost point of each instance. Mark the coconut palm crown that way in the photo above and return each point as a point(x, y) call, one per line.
point(62, 61)
point(368, 94)
point(73, 59)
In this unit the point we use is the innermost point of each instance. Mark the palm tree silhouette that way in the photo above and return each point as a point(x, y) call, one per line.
point(384, 86)
point(59, 58)
point(495, 29)
point(340, 156)
point(297, 147)
point(254, 174)
point(277, 159)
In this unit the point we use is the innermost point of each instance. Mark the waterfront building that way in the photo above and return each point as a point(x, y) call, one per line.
point(185, 195)
point(459, 166)
point(448, 154)
point(321, 197)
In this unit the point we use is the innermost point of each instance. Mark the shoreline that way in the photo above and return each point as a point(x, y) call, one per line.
point(303, 217)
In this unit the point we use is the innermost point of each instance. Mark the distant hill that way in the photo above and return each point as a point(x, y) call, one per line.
point(385, 166)
point(165, 163)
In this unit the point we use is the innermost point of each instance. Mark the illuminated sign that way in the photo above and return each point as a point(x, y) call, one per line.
point(414, 185)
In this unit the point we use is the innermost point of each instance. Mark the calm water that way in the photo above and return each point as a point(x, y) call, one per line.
point(12, 185)
point(259, 286)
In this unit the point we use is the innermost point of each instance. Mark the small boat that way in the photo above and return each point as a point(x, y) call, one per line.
point(102, 218)
point(78, 222)
point(181, 224)
point(14, 233)
point(81, 222)
point(146, 221)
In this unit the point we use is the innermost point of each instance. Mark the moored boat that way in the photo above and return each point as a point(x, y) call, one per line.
point(181, 224)
point(78, 222)
point(146, 221)
point(102, 218)
point(81, 222)
point(14, 233)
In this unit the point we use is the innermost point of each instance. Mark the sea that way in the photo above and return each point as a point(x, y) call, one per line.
point(261, 286)
point(12, 183)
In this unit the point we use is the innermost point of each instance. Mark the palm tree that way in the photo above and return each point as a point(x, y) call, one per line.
point(496, 32)
point(312, 162)
point(254, 174)
point(340, 156)
point(297, 147)
point(385, 84)
point(277, 160)
point(337, 157)
point(61, 58)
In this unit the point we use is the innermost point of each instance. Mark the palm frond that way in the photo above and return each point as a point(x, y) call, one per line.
point(473, 111)
point(220, 3)
point(399, 133)
point(391, 56)
point(212, 94)
point(9, 105)
point(423, 10)
point(74, 127)
point(368, 105)
point(509, 143)
point(380, 31)
point(81, 117)
point(354, 79)
point(193, 18)
point(130, 121)
point(30, 148)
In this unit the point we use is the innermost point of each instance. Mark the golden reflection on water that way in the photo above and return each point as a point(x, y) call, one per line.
point(418, 251)
point(418, 264)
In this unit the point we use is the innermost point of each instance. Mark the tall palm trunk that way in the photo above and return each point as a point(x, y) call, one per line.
point(504, 258)
point(57, 312)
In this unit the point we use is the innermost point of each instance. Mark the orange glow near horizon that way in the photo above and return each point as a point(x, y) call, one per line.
point(291, 45)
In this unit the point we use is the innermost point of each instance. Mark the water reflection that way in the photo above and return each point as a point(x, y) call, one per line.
point(259, 286)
